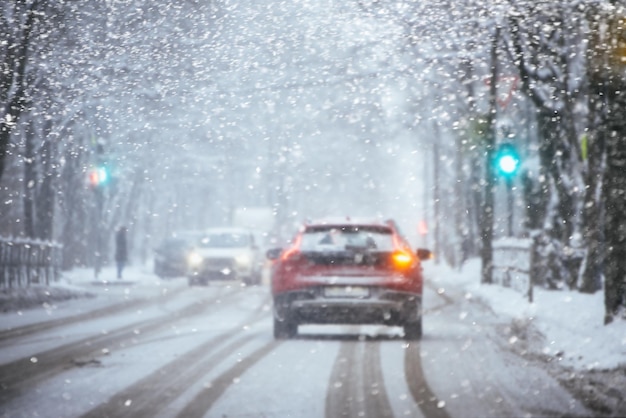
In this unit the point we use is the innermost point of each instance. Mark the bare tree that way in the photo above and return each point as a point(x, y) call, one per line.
point(542, 46)
point(17, 21)
point(607, 80)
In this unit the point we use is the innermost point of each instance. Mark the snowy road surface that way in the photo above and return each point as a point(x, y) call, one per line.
point(209, 351)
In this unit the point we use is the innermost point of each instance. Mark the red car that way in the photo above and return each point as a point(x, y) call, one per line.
point(347, 272)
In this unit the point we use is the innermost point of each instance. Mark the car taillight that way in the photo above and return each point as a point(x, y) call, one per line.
point(402, 260)
point(293, 251)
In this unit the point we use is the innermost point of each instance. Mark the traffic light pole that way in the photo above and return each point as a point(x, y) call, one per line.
point(99, 178)
point(99, 199)
point(490, 142)
point(509, 198)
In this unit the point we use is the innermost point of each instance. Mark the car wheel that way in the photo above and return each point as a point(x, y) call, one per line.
point(413, 330)
point(413, 320)
point(285, 329)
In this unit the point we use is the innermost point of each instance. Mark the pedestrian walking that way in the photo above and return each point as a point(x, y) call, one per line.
point(121, 250)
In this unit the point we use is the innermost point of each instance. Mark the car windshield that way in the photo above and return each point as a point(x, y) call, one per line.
point(347, 237)
point(224, 240)
point(174, 245)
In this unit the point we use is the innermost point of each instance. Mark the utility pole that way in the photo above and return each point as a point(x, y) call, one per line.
point(490, 140)
point(436, 193)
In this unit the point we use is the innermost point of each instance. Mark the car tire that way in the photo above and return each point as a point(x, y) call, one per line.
point(413, 320)
point(285, 329)
point(413, 330)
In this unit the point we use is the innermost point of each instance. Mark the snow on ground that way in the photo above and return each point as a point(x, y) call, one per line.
point(572, 323)
point(79, 291)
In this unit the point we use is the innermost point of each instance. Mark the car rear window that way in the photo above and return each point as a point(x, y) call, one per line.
point(338, 238)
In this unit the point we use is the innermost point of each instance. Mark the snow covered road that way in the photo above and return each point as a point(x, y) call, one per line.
point(209, 351)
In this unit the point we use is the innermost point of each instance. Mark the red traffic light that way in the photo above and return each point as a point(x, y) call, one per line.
point(98, 176)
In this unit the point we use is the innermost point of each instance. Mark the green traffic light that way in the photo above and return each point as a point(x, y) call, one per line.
point(508, 164)
point(507, 160)
point(103, 175)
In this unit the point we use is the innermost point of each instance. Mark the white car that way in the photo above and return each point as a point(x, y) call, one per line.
point(226, 254)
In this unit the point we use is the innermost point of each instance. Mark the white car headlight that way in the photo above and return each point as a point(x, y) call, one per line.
point(194, 260)
point(243, 260)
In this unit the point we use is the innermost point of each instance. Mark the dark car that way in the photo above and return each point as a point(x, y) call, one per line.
point(170, 257)
point(347, 272)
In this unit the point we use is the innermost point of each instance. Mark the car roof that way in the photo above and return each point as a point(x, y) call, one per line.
point(227, 230)
point(350, 221)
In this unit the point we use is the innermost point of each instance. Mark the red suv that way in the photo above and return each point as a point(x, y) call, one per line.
point(347, 272)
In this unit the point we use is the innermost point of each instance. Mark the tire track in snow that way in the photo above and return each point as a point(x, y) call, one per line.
point(425, 398)
point(127, 305)
point(152, 394)
point(376, 399)
point(23, 373)
point(356, 386)
point(203, 401)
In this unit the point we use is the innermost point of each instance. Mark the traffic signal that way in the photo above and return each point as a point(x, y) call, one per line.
point(507, 160)
point(98, 176)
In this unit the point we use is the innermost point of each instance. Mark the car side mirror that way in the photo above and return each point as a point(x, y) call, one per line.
point(274, 253)
point(423, 254)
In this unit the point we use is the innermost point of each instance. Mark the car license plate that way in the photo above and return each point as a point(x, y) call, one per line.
point(346, 292)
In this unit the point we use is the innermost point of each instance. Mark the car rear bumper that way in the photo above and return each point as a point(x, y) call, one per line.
point(380, 306)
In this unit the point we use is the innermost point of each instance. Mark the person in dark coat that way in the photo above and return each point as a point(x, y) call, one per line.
point(121, 250)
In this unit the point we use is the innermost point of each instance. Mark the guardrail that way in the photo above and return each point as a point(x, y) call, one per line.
point(514, 264)
point(23, 262)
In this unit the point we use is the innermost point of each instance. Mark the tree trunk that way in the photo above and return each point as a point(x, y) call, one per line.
point(553, 154)
point(30, 180)
point(46, 201)
point(16, 66)
point(614, 194)
point(593, 237)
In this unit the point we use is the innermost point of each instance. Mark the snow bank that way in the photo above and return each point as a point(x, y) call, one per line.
point(16, 299)
point(572, 323)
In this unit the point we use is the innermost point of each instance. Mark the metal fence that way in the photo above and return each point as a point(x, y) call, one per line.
point(23, 262)
point(514, 264)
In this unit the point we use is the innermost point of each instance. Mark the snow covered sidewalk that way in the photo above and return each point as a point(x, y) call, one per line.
point(78, 292)
point(571, 323)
